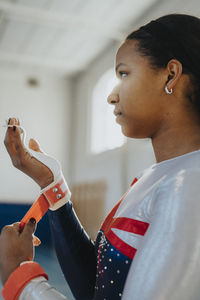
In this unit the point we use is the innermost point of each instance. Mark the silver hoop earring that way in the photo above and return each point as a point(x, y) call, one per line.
point(167, 91)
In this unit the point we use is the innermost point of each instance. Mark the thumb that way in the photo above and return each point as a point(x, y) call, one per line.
point(34, 145)
point(29, 228)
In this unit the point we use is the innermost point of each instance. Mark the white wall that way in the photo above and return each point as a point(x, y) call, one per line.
point(45, 114)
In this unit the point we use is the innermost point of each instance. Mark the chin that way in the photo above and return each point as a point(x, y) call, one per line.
point(127, 133)
point(133, 134)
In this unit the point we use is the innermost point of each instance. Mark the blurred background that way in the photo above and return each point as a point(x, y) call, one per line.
point(56, 70)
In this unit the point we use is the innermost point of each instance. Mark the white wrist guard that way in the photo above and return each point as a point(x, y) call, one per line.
point(57, 193)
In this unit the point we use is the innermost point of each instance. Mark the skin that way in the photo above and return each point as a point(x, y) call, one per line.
point(15, 248)
point(21, 158)
point(147, 111)
point(143, 110)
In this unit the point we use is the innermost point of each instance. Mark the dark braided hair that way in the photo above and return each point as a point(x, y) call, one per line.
point(174, 36)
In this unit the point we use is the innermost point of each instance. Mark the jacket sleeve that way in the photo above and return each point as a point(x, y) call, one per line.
point(167, 264)
point(39, 289)
point(75, 251)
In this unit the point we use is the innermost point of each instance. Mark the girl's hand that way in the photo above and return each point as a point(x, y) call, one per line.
point(22, 159)
point(15, 247)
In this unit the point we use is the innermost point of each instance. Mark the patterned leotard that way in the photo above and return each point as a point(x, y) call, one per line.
point(148, 247)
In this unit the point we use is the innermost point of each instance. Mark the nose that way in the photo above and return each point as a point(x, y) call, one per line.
point(113, 97)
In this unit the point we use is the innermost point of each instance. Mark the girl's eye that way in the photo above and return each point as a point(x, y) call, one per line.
point(122, 74)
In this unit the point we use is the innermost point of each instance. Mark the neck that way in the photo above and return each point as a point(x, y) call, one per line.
point(176, 141)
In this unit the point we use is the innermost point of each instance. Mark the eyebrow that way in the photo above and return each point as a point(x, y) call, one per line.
point(119, 65)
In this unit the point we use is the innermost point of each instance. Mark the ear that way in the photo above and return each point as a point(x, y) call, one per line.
point(174, 69)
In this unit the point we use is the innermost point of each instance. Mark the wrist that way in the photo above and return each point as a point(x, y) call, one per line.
point(57, 193)
point(45, 182)
point(20, 277)
point(51, 197)
point(11, 264)
point(7, 271)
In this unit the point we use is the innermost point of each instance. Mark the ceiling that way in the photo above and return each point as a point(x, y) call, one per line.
point(62, 36)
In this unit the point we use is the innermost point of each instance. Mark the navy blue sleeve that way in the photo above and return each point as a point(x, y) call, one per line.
point(75, 251)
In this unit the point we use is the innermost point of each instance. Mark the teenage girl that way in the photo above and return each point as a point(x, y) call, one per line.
point(149, 245)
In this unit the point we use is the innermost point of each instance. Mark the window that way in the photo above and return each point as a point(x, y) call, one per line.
point(105, 132)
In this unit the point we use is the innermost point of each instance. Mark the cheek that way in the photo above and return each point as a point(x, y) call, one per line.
point(141, 110)
point(141, 96)
point(134, 97)
point(139, 123)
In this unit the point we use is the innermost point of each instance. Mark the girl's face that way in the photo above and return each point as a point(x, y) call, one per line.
point(138, 96)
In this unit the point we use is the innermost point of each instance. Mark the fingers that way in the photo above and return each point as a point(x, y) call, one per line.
point(15, 229)
point(6, 229)
point(36, 241)
point(29, 228)
point(9, 138)
point(12, 229)
point(14, 144)
point(18, 143)
point(16, 226)
point(14, 121)
point(34, 145)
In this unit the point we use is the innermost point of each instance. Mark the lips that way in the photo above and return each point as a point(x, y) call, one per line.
point(119, 116)
point(117, 113)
